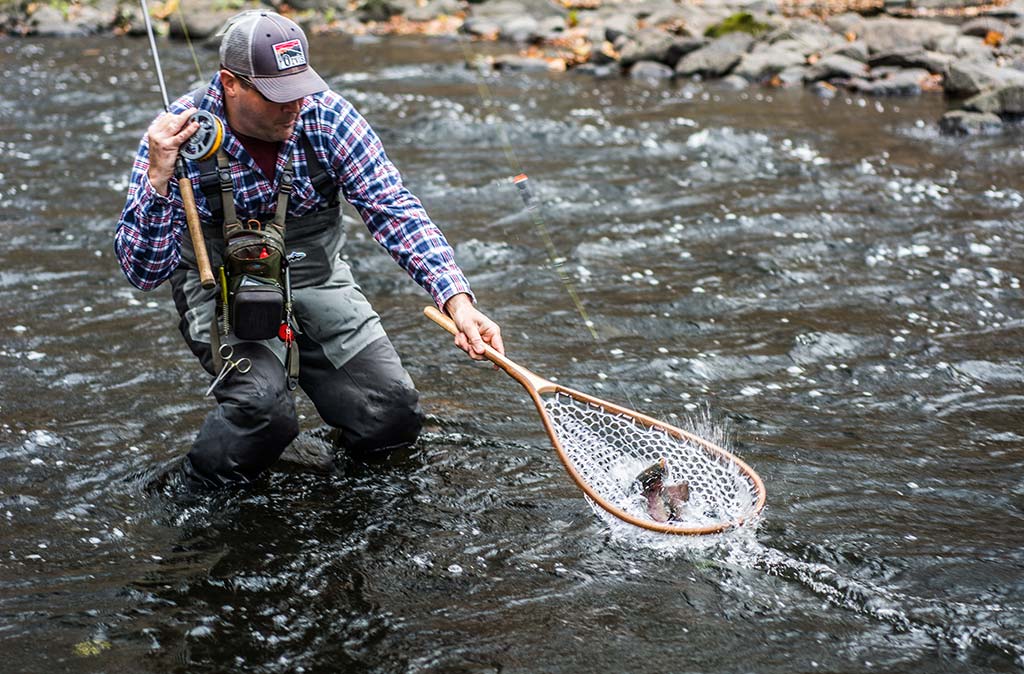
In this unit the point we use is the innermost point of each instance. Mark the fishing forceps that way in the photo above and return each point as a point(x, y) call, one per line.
point(227, 352)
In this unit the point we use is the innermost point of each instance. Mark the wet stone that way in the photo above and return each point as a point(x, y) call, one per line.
point(1007, 100)
point(965, 123)
point(650, 71)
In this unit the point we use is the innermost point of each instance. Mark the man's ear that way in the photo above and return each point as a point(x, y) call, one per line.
point(228, 82)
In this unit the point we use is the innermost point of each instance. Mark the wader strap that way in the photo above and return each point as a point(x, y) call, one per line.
point(322, 181)
point(283, 192)
point(209, 180)
point(227, 191)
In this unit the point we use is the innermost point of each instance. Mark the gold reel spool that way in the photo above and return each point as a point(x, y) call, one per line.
point(207, 139)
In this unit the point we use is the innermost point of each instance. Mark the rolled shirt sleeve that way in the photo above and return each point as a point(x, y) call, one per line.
point(395, 217)
point(149, 233)
point(148, 236)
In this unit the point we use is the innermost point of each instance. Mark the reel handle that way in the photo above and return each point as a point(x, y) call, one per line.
point(195, 230)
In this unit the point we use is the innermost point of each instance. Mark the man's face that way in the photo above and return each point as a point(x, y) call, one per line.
point(251, 114)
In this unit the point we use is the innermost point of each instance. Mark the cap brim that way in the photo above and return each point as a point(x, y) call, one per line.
point(288, 88)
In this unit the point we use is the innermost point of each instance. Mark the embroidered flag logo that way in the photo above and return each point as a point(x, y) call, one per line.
point(289, 54)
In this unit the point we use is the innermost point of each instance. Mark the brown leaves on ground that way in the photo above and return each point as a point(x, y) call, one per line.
point(932, 82)
point(993, 38)
point(825, 8)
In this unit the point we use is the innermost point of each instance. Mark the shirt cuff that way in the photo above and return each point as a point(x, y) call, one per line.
point(152, 201)
point(447, 286)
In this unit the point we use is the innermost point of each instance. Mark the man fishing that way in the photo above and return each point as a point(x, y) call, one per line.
point(286, 308)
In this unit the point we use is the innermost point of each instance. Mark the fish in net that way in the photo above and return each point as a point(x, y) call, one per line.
point(611, 451)
point(634, 468)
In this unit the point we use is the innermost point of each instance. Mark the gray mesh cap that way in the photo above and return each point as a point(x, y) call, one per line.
point(273, 52)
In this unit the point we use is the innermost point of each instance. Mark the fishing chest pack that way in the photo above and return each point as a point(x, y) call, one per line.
point(255, 278)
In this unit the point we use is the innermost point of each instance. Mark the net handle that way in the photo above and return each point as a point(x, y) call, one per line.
point(528, 379)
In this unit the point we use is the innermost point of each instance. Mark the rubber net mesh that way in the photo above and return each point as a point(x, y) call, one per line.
point(610, 450)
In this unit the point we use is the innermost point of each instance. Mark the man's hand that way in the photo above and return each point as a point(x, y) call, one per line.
point(166, 135)
point(474, 327)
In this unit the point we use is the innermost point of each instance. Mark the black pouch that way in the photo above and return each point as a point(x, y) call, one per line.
point(257, 308)
point(253, 260)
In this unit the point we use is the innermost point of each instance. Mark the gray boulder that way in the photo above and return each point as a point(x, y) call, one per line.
point(1006, 100)
point(984, 25)
point(969, 78)
point(792, 76)
point(650, 71)
point(480, 27)
point(600, 71)
point(967, 47)
point(617, 24)
point(201, 20)
point(1011, 12)
point(697, 19)
point(647, 45)
point(682, 46)
point(836, 66)
point(525, 64)
point(912, 57)
point(888, 35)
point(856, 50)
point(432, 10)
point(813, 37)
point(735, 82)
point(964, 123)
point(504, 8)
point(844, 23)
point(551, 27)
point(899, 83)
point(47, 21)
point(517, 28)
point(764, 64)
point(718, 58)
point(823, 90)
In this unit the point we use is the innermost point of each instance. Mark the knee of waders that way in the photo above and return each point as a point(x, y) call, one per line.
point(243, 436)
point(389, 424)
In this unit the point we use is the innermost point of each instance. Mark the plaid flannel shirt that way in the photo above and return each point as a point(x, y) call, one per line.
point(149, 233)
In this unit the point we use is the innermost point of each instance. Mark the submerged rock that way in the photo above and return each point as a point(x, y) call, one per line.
point(970, 78)
point(965, 123)
point(650, 71)
point(1006, 100)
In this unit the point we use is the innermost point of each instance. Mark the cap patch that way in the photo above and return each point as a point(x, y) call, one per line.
point(289, 54)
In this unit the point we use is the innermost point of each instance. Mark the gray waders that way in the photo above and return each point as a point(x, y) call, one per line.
point(349, 368)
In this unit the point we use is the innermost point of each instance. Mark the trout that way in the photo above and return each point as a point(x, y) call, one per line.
point(664, 502)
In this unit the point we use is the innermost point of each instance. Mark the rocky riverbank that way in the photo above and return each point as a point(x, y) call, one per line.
point(971, 53)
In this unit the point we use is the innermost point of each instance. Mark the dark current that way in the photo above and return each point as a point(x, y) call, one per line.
point(830, 286)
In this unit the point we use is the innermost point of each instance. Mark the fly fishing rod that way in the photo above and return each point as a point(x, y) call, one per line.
point(203, 144)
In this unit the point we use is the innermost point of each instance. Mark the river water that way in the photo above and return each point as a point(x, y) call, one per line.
point(828, 286)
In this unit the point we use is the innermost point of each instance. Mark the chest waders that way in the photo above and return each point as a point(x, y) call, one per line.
point(255, 301)
point(256, 275)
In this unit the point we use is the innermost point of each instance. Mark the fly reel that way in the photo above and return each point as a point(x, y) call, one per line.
point(205, 142)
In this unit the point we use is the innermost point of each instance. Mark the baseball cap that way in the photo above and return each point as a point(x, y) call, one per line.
point(272, 51)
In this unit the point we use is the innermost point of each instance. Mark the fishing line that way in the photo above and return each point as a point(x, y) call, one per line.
point(202, 145)
point(521, 181)
point(188, 41)
point(207, 139)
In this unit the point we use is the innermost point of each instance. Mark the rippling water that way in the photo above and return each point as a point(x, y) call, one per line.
point(830, 286)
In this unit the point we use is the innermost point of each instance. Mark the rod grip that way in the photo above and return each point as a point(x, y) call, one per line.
point(195, 230)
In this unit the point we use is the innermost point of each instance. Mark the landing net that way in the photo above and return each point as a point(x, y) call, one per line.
point(609, 450)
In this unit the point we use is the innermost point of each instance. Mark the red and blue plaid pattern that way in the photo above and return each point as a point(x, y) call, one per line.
point(148, 237)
